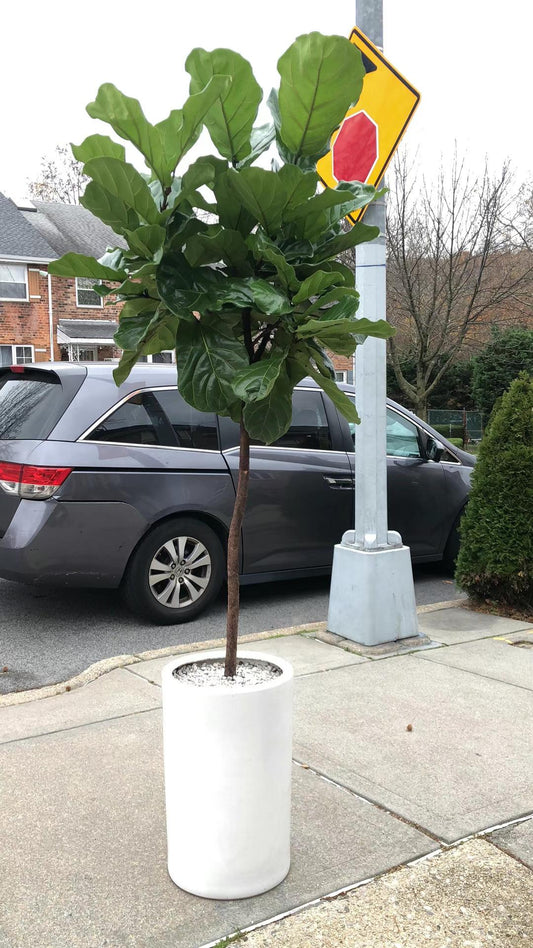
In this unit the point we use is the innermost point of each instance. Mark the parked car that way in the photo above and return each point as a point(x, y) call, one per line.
point(130, 487)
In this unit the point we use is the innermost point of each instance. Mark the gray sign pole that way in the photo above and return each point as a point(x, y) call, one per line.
point(372, 596)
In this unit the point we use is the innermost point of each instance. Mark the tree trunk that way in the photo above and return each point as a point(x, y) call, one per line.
point(232, 621)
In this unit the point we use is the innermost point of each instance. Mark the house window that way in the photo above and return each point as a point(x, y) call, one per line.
point(13, 281)
point(16, 355)
point(85, 295)
point(168, 356)
point(344, 376)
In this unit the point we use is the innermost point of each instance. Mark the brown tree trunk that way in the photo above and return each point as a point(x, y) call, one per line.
point(232, 621)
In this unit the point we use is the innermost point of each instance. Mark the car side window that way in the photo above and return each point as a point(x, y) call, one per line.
point(192, 428)
point(402, 436)
point(139, 420)
point(309, 428)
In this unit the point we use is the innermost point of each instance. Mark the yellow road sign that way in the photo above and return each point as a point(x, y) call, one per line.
point(363, 146)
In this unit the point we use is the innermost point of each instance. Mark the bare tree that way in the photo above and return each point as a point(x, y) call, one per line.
point(454, 263)
point(61, 178)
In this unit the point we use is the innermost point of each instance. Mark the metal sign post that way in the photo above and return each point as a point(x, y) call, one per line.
point(372, 597)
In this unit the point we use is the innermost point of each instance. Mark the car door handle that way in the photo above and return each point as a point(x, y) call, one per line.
point(339, 483)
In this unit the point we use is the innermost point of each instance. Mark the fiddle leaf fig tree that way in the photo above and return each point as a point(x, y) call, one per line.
point(230, 263)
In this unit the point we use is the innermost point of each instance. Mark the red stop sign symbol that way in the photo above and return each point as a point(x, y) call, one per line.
point(355, 149)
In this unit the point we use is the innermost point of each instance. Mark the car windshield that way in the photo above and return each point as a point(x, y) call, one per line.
point(31, 404)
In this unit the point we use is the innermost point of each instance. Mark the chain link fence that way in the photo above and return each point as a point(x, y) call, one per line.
point(460, 423)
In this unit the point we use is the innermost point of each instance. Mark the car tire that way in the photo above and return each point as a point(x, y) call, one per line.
point(176, 572)
point(451, 550)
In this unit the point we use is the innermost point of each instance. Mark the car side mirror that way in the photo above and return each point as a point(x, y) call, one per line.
point(434, 449)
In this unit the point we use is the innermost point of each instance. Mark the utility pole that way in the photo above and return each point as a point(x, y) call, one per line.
point(372, 597)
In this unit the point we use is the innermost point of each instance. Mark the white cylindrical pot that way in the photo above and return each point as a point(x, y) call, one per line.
point(228, 759)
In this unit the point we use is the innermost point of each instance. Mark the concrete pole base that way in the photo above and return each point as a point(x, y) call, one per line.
point(372, 596)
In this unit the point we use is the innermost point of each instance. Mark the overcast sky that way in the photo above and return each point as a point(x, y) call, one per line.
point(470, 60)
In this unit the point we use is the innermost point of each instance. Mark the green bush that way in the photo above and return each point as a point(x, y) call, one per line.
point(508, 353)
point(451, 432)
point(457, 442)
point(496, 555)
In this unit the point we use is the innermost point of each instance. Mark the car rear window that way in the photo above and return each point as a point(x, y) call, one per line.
point(31, 403)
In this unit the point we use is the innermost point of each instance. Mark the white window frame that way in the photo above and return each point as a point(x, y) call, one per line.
point(14, 347)
point(98, 305)
point(341, 375)
point(16, 299)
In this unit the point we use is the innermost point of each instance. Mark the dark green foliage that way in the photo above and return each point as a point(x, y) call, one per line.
point(496, 556)
point(509, 353)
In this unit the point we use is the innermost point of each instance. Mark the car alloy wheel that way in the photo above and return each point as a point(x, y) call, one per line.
point(180, 572)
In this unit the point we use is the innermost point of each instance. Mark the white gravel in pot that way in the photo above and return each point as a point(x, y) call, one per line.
point(210, 673)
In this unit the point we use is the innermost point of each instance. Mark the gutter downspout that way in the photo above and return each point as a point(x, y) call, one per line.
point(50, 317)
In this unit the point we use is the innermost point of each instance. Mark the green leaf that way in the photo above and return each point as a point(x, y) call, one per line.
point(261, 139)
point(262, 193)
point(321, 77)
point(268, 419)
point(97, 146)
point(79, 265)
point(359, 234)
point(147, 241)
point(231, 212)
point(266, 250)
point(269, 299)
point(216, 243)
point(230, 119)
point(335, 295)
point(162, 145)
point(203, 171)
point(315, 217)
point(109, 209)
point(185, 289)
point(181, 130)
point(315, 285)
point(207, 362)
point(299, 186)
point(340, 400)
point(255, 382)
point(123, 182)
point(123, 369)
point(361, 328)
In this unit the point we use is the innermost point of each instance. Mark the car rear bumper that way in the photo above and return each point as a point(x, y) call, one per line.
point(70, 544)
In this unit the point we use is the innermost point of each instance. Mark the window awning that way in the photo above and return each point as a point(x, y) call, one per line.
point(93, 332)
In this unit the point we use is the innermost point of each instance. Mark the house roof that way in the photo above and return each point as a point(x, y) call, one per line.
point(95, 331)
point(71, 228)
point(18, 239)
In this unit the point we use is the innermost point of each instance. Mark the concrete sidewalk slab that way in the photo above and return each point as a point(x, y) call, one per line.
point(306, 654)
point(464, 766)
point(472, 896)
point(115, 694)
point(84, 826)
point(492, 658)
point(517, 840)
point(451, 626)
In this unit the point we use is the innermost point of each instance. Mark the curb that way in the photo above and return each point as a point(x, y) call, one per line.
point(120, 661)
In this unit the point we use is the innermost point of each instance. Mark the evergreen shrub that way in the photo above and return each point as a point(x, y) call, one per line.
point(496, 555)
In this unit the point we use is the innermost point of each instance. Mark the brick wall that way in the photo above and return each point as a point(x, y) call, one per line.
point(26, 323)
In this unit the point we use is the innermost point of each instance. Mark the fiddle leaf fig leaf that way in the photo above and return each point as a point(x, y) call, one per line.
point(208, 359)
point(97, 146)
point(256, 381)
point(321, 77)
point(79, 265)
point(269, 418)
point(123, 182)
point(109, 209)
point(230, 119)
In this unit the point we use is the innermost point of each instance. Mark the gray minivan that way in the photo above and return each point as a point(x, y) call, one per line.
point(131, 487)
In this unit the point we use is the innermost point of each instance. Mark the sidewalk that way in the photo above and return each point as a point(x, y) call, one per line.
point(400, 753)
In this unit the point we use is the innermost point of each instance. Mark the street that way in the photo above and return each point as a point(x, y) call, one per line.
point(50, 635)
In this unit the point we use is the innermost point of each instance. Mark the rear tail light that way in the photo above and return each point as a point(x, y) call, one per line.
point(31, 482)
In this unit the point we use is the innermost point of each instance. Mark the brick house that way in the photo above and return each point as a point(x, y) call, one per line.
point(46, 318)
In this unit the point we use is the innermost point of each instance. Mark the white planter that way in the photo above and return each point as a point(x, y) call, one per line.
point(228, 754)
